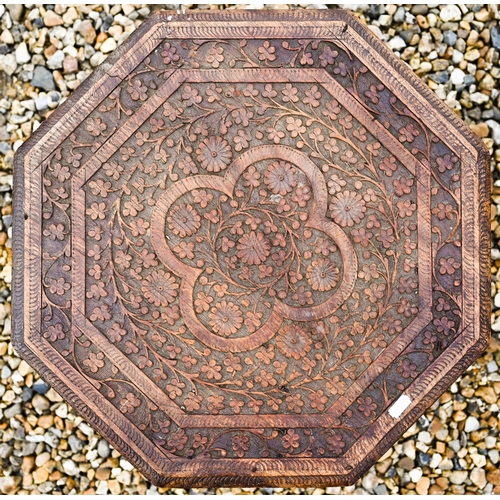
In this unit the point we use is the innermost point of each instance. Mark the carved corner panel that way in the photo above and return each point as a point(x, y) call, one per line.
point(241, 245)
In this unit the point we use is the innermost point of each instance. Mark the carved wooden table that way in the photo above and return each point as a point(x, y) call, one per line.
point(251, 249)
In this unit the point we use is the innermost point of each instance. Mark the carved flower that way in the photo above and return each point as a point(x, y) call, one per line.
point(446, 162)
point(241, 444)
point(160, 288)
point(328, 56)
point(253, 248)
point(348, 208)
point(94, 361)
point(129, 403)
point(407, 369)
point(318, 400)
point(184, 220)
point(366, 406)
point(291, 440)
point(177, 440)
point(322, 275)
point(226, 318)
point(408, 133)
point(335, 443)
point(214, 56)
point(169, 54)
point(294, 341)
point(54, 332)
point(214, 153)
point(280, 177)
point(267, 52)
point(137, 90)
point(96, 126)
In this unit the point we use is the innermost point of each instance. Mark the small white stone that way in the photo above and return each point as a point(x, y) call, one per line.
point(450, 13)
point(415, 474)
point(471, 424)
point(457, 56)
point(62, 410)
point(22, 53)
point(102, 488)
point(125, 465)
point(424, 437)
point(492, 366)
point(108, 45)
point(435, 461)
point(494, 456)
point(396, 43)
point(458, 476)
point(495, 131)
point(56, 61)
point(376, 31)
point(409, 449)
point(70, 468)
point(479, 460)
point(457, 76)
point(479, 98)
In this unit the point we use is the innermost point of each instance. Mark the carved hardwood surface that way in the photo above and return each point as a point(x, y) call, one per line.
point(243, 240)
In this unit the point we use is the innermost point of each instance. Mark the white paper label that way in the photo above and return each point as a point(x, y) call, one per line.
point(399, 406)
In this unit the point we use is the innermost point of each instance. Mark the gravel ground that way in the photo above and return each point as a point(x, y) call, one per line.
point(46, 51)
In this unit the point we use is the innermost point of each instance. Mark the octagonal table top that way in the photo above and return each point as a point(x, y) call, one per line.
point(252, 248)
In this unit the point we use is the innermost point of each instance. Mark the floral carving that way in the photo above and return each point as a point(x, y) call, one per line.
point(253, 248)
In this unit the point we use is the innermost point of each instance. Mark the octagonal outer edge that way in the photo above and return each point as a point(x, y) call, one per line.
point(484, 188)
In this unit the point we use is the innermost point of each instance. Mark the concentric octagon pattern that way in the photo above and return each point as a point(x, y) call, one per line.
point(250, 243)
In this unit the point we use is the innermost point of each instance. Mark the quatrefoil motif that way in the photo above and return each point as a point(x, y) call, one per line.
point(253, 247)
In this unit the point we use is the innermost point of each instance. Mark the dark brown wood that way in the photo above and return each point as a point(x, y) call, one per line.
point(252, 248)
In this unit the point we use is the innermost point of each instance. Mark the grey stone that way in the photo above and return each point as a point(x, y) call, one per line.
point(13, 410)
point(419, 9)
point(75, 444)
point(103, 449)
point(16, 11)
point(51, 439)
point(42, 78)
point(40, 386)
point(449, 37)
point(381, 489)
point(440, 76)
point(399, 15)
point(57, 59)
point(495, 37)
point(5, 450)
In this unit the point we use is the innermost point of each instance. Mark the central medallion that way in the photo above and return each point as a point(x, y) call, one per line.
point(252, 247)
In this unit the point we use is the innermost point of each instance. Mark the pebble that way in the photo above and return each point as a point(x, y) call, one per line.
point(422, 486)
point(51, 19)
point(458, 476)
point(108, 45)
point(22, 53)
point(495, 132)
point(70, 468)
point(450, 13)
point(42, 78)
point(471, 424)
point(9, 484)
point(457, 76)
point(103, 448)
point(56, 61)
point(40, 403)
